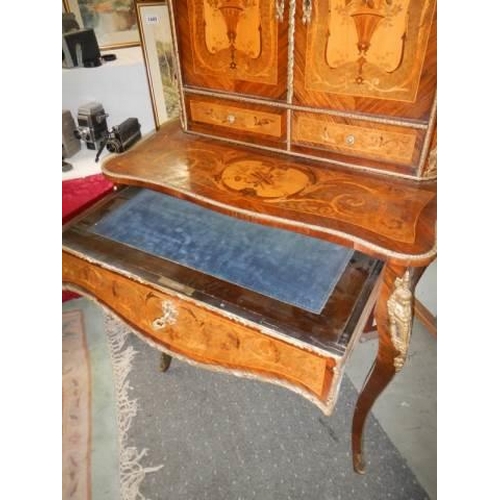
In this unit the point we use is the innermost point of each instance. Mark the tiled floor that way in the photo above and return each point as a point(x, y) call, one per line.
point(407, 408)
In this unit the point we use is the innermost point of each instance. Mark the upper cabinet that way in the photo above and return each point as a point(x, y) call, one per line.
point(349, 82)
point(369, 56)
point(234, 45)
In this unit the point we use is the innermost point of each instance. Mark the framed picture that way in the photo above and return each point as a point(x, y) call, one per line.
point(156, 38)
point(113, 21)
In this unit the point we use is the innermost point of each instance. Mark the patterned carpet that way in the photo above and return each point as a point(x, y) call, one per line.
point(97, 462)
point(196, 434)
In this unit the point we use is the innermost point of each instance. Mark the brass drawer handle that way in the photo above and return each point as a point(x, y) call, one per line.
point(169, 316)
point(230, 119)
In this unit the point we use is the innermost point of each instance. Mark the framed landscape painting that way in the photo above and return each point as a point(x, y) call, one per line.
point(156, 38)
point(113, 21)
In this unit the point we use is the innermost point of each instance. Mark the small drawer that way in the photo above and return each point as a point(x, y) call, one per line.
point(357, 138)
point(222, 117)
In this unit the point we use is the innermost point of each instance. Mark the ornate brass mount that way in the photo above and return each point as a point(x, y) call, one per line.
point(399, 307)
point(169, 316)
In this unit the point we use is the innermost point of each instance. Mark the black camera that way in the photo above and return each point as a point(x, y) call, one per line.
point(92, 126)
point(121, 137)
point(124, 135)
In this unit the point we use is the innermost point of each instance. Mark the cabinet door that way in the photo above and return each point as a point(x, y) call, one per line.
point(233, 45)
point(369, 56)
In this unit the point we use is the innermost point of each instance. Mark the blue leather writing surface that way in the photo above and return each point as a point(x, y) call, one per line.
point(280, 264)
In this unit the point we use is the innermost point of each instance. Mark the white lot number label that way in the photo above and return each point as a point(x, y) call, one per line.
point(152, 19)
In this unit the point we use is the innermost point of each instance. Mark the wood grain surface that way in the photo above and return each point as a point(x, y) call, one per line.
point(358, 138)
point(347, 62)
point(391, 355)
point(237, 48)
point(293, 112)
point(199, 333)
point(369, 57)
point(236, 119)
point(383, 217)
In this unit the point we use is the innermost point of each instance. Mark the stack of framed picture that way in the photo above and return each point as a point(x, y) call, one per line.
point(156, 39)
point(128, 23)
point(113, 21)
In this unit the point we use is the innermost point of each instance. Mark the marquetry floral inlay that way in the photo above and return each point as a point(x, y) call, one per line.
point(236, 118)
point(356, 140)
point(264, 180)
point(370, 48)
point(233, 25)
point(305, 190)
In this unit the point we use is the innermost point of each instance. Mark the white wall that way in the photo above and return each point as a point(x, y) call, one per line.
point(426, 290)
point(121, 87)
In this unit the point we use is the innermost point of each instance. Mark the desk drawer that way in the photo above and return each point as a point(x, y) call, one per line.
point(236, 120)
point(194, 315)
point(357, 138)
point(203, 334)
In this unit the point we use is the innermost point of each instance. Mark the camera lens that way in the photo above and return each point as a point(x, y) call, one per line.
point(113, 146)
point(84, 134)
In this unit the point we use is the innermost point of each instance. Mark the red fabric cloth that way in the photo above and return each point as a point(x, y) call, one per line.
point(77, 195)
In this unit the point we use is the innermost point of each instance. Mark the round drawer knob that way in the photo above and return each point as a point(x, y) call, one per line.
point(231, 118)
point(350, 139)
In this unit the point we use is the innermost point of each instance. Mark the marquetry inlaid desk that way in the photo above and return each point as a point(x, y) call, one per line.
point(293, 205)
point(387, 223)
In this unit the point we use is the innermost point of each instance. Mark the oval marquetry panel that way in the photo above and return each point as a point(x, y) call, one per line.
point(264, 179)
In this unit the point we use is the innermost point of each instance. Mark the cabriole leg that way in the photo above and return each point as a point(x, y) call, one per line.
point(393, 315)
point(165, 361)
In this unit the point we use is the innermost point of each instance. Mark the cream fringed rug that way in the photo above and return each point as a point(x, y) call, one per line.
point(193, 434)
point(97, 461)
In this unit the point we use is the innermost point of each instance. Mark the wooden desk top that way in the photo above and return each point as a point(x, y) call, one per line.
point(380, 215)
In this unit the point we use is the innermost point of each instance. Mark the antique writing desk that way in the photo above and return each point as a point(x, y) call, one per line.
point(292, 204)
